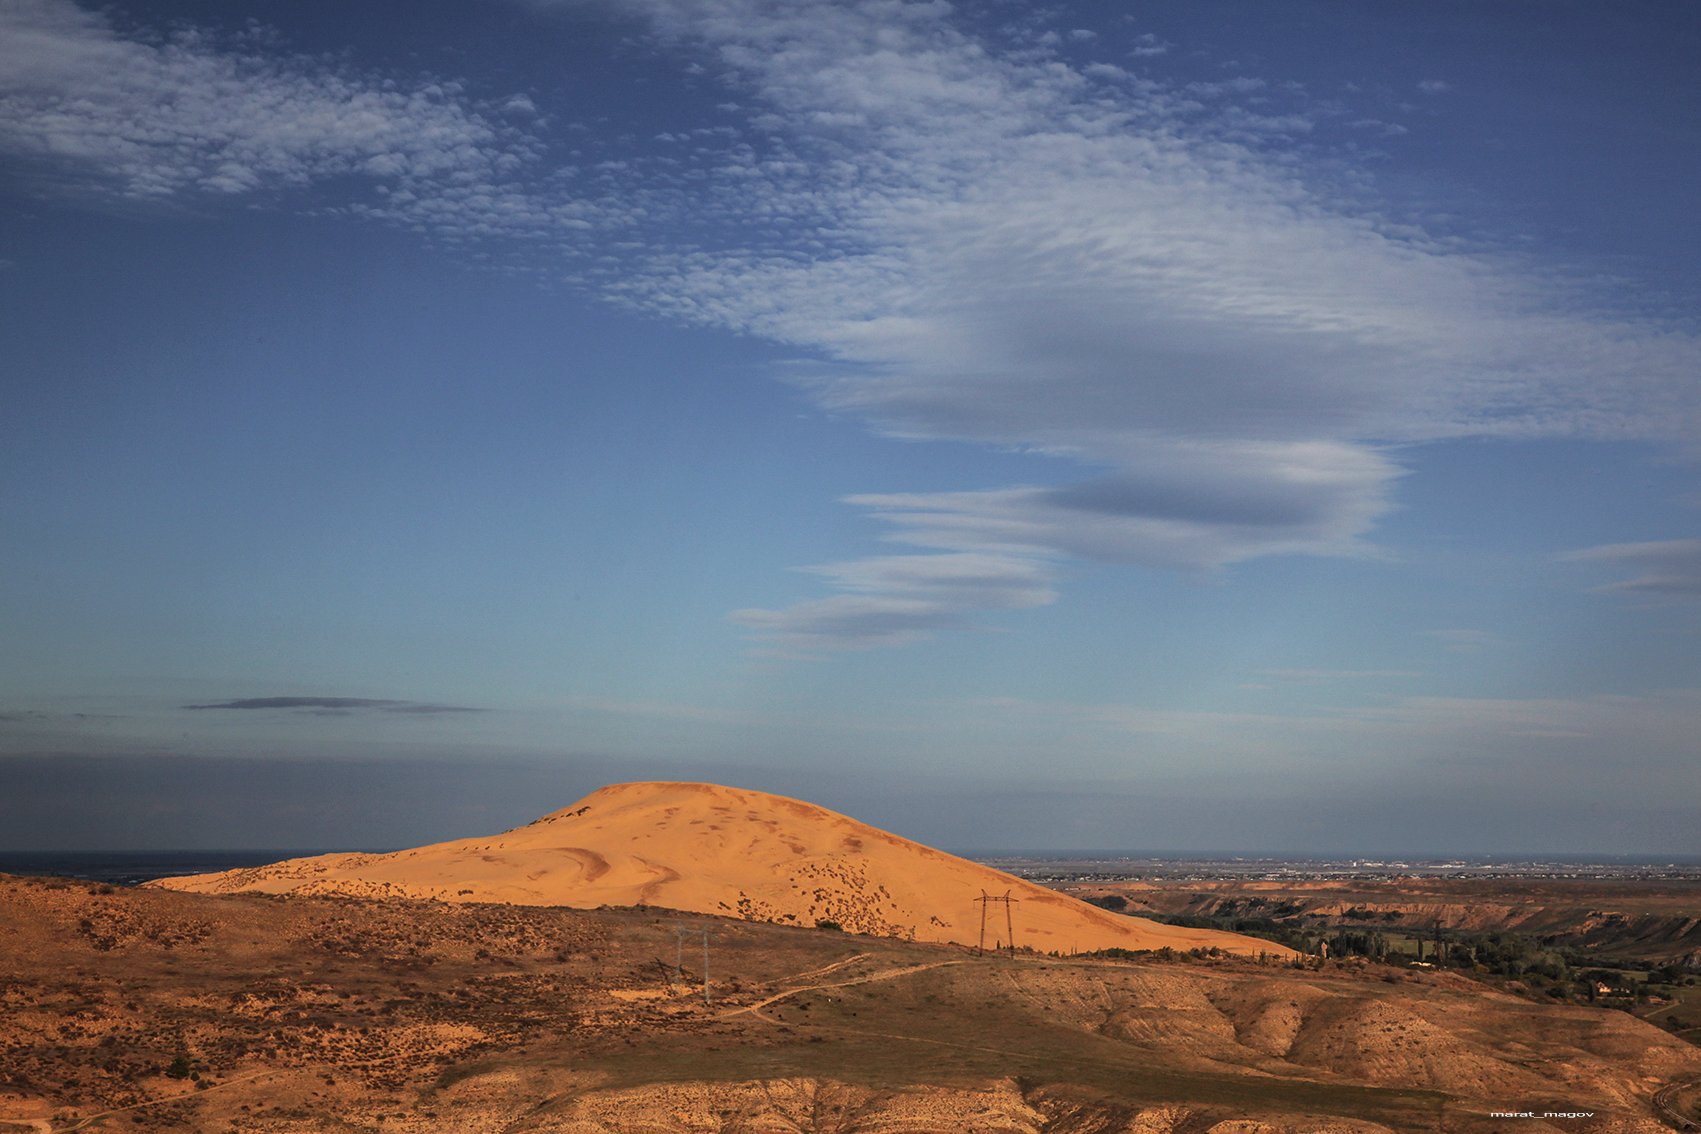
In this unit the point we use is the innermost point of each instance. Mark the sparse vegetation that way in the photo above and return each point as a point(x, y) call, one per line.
point(398, 1008)
point(1545, 967)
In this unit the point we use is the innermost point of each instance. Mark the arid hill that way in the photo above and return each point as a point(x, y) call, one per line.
point(735, 853)
point(152, 1010)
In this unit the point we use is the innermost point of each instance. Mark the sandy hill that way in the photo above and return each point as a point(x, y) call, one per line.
point(721, 850)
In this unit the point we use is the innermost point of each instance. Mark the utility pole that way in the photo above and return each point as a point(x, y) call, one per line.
point(680, 933)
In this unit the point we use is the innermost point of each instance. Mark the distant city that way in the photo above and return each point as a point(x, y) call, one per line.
point(1043, 867)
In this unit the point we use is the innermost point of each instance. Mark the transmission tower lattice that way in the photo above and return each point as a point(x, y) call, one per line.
point(986, 899)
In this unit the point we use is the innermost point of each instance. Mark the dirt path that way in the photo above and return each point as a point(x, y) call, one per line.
point(1665, 1106)
point(825, 969)
point(885, 974)
point(44, 1126)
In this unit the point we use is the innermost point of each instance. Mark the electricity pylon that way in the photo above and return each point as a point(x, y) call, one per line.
point(1009, 922)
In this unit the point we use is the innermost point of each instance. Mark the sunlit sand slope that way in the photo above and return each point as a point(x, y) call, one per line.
point(728, 851)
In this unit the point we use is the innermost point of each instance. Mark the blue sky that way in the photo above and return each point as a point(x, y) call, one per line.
point(1229, 426)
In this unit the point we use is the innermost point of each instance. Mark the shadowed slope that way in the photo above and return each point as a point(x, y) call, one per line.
point(733, 852)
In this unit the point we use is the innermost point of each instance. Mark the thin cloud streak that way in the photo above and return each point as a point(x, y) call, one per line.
point(1669, 569)
point(1659, 726)
point(898, 599)
point(335, 705)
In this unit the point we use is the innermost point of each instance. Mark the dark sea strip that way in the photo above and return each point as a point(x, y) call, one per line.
point(129, 868)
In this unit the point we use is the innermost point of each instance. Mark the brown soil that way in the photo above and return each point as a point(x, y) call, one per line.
point(321, 1014)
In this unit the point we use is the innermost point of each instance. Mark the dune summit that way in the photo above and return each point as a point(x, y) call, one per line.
point(728, 851)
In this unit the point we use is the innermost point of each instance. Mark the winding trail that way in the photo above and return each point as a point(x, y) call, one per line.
point(1665, 1105)
point(46, 1126)
point(825, 969)
point(885, 974)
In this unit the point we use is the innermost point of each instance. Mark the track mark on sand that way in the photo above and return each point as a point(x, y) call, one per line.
point(665, 874)
point(590, 862)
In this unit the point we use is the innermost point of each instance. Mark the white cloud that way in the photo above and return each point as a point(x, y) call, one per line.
point(894, 600)
point(1174, 505)
point(966, 242)
point(1668, 569)
point(1240, 84)
point(188, 114)
point(1001, 250)
point(1148, 45)
point(521, 105)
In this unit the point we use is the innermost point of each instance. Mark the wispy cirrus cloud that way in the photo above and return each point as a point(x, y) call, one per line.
point(1666, 569)
point(893, 600)
point(1661, 723)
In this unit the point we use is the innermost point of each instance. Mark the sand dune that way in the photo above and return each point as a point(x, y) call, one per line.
point(728, 851)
